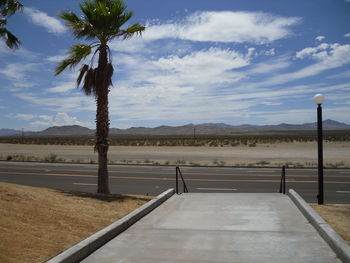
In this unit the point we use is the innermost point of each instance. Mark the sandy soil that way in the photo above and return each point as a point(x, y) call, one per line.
point(37, 223)
point(338, 216)
point(272, 154)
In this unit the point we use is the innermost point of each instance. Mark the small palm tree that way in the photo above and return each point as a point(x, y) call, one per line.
point(7, 9)
point(101, 21)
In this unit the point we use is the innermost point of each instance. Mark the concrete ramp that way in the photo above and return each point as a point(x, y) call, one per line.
point(207, 227)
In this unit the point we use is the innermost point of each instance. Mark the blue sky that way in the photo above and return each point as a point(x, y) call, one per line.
point(199, 61)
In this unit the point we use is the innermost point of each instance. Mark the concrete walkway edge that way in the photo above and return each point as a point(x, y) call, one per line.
point(334, 240)
point(83, 249)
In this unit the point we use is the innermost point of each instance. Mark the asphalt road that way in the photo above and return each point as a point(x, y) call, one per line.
point(152, 180)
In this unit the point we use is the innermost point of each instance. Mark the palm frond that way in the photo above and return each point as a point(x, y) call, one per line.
point(3, 22)
point(83, 70)
point(89, 86)
point(69, 17)
point(62, 66)
point(79, 26)
point(10, 40)
point(132, 30)
point(9, 7)
point(76, 53)
point(108, 73)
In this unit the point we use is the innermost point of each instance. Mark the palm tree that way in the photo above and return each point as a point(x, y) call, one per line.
point(101, 21)
point(7, 9)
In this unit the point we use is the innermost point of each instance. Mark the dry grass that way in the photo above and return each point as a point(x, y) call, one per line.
point(37, 223)
point(338, 216)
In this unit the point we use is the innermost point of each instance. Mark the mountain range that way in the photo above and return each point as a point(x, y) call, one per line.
point(189, 129)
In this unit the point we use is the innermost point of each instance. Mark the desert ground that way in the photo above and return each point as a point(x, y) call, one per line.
point(336, 154)
point(38, 223)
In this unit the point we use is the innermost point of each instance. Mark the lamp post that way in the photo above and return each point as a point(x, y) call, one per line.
point(319, 99)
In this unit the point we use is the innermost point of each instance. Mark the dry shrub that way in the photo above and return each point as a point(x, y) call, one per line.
point(38, 223)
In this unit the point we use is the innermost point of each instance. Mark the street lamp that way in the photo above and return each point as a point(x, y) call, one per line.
point(319, 99)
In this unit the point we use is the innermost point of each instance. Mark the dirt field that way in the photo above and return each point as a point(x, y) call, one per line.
point(338, 216)
point(336, 154)
point(37, 223)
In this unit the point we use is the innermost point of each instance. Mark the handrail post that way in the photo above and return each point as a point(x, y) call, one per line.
point(177, 180)
point(184, 186)
point(283, 181)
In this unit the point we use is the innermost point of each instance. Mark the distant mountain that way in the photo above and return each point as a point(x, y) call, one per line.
point(327, 125)
point(66, 131)
point(8, 132)
point(70, 130)
point(189, 129)
point(222, 128)
point(223, 125)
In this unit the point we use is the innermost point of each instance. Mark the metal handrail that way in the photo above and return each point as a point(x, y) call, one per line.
point(283, 181)
point(184, 186)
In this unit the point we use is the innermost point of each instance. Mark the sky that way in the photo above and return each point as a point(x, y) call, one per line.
point(198, 61)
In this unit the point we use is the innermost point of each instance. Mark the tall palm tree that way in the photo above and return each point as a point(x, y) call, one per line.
point(101, 21)
point(7, 9)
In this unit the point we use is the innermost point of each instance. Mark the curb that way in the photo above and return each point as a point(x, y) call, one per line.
point(84, 248)
point(334, 240)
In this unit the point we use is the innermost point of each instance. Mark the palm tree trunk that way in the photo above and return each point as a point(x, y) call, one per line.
point(102, 122)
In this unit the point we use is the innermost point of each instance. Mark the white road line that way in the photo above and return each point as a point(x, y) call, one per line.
point(343, 192)
point(84, 184)
point(260, 171)
point(217, 189)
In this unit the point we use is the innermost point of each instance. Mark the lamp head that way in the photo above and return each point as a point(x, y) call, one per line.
point(318, 99)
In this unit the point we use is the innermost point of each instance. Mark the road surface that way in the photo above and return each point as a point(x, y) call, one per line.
point(152, 180)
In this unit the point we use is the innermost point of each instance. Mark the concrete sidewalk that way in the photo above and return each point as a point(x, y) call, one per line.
point(207, 227)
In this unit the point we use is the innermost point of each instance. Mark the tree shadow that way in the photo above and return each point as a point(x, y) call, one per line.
point(106, 197)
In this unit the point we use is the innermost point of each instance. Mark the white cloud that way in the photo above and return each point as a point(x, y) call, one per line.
point(133, 45)
point(39, 18)
point(45, 117)
point(205, 60)
point(207, 84)
point(225, 26)
point(57, 58)
point(177, 85)
point(62, 87)
point(347, 34)
point(201, 70)
point(21, 116)
point(69, 103)
point(344, 74)
point(321, 51)
point(327, 56)
point(18, 73)
point(60, 119)
point(320, 38)
point(270, 52)
point(22, 53)
point(270, 66)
